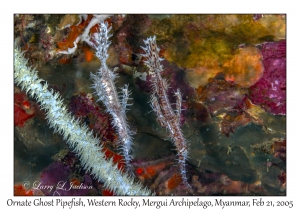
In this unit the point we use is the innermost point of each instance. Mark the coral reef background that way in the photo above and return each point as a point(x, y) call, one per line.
point(231, 70)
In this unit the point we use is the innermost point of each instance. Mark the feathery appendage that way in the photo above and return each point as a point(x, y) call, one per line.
point(79, 137)
point(85, 35)
point(161, 105)
point(105, 89)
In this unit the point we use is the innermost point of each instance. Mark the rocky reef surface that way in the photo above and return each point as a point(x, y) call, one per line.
point(230, 69)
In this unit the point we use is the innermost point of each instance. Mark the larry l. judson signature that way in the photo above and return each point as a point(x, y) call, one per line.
point(61, 185)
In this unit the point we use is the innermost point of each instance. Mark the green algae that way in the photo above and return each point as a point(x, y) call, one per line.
point(209, 41)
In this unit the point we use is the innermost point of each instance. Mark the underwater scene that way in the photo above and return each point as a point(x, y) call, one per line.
point(149, 104)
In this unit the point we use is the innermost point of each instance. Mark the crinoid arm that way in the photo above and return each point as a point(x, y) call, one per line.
point(79, 137)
